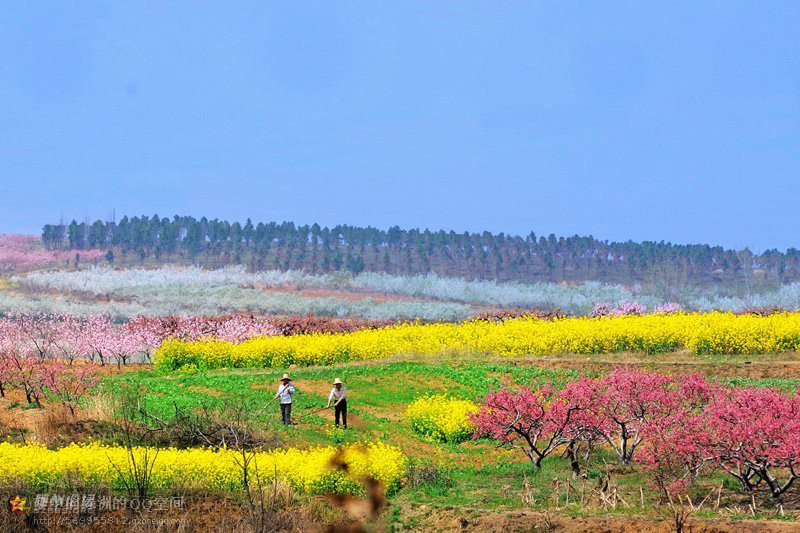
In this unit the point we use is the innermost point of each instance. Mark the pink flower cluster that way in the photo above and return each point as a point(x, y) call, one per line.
point(231, 328)
point(25, 252)
point(751, 434)
point(95, 338)
point(61, 354)
point(668, 307)
point(99, 339)
point(30, 361)
point(625, 308)
point(683, 426)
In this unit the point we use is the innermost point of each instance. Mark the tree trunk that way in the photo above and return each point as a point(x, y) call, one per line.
point(572, 454)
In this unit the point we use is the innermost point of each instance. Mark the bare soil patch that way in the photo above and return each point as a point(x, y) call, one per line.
point(199, 514)
point(428, 520)
point(756, 366)
point(208, 391)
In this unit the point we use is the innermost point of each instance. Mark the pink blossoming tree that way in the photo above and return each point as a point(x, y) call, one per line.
point(536, 419)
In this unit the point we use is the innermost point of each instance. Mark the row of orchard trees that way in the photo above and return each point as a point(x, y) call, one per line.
point(62, 355)
point(399, 251)
point(677, 428)
point(70, 337)
point(97, 338)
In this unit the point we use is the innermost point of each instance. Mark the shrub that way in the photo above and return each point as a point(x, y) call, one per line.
point(762, 311)
point(668, 307)
point(441, 418)
point(423, 472)
point(508, 314)
point(298, 325)
point(624, 308)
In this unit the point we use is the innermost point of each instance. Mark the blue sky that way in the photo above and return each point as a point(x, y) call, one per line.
point(643, 120)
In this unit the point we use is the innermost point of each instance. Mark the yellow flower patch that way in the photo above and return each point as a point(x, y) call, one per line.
point(307, 470)
point(442, 418)
point(702, 333)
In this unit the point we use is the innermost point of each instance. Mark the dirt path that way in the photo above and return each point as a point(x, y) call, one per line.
point(752, 367)
point(786, 365)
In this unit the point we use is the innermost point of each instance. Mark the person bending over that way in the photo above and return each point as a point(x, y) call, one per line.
point(284, 395)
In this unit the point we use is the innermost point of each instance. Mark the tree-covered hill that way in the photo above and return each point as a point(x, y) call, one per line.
point(500, 256)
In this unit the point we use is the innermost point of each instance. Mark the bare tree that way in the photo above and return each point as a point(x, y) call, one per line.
point(140, 445)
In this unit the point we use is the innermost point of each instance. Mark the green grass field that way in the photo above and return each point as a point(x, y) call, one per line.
point(474, 476)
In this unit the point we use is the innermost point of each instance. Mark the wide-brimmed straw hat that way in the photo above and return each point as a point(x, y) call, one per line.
point(337, 381)
point(285, 376)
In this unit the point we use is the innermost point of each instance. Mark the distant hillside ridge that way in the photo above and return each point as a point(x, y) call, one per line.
point(485, 256)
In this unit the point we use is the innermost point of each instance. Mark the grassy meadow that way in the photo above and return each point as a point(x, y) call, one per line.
point(476, 476)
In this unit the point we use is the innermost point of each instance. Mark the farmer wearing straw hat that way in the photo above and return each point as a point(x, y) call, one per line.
point(284, 397)
point(338, 395)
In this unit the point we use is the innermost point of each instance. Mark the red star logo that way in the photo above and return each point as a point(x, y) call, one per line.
point(18, 505)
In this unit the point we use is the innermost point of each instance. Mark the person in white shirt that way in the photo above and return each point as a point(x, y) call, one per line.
point(284, 396)
point(338, 395)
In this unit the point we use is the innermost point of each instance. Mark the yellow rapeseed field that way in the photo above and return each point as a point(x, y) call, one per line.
point(702, 333)
point(441, 418)
point(307, 470)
